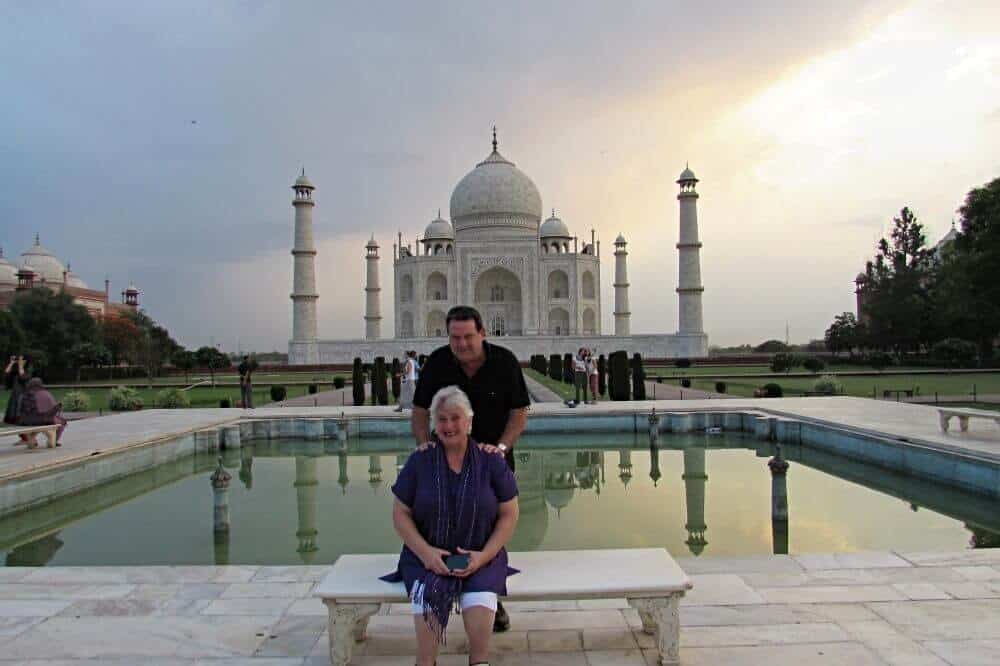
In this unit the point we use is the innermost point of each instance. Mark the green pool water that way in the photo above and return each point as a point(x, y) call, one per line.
point(294, 502)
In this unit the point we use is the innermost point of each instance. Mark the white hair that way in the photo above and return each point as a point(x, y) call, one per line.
point(450, 396)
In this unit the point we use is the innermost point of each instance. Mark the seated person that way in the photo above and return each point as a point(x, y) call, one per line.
point(38, 407)
point(454, 499)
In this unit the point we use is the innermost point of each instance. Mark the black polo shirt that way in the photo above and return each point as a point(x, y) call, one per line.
point(496, 388)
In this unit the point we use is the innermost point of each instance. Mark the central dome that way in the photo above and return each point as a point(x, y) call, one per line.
point(496, 194)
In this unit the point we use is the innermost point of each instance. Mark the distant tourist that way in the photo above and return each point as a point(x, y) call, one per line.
point(38, 407)
point(491, 377)
point(580, 373)
point(591, 364)
point(408, 381)
point(246, 369)
point(455, 509)
point(15, 379)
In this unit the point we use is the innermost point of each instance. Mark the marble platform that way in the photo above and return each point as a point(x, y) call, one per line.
point(874, 608)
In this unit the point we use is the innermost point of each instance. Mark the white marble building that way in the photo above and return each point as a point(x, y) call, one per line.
point(537, 285)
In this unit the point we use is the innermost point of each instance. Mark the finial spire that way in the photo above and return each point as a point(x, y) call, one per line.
point(553, 212)
point(303, 171)
point(494, 138)
point(439, 213)
point(37, 239)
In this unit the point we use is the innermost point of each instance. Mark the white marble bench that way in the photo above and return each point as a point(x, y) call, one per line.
point(648, 578)
point(945, 414)
point(50, 431)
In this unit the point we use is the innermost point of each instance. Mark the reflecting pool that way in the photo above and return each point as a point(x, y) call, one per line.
point(295, 502)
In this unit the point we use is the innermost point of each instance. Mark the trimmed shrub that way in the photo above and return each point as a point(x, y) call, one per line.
point(278, 393)
point(772, 390)
point(813, 364)
point(955, 352)
point(879, 360)
point(784, 362)
point(828, 385)
point(555, 367)
point(75, 401)
point(225, 403)
point(539, 364)
point(397, 379)
point(172, 398)
point(124, 399)
point(313, 389)
point(638, 378)
point(567, 369)
point(686, 383)
point(339, 382)
point(358, 383)
point(683, 363)
point(720, 387)
point(380, 389)
point(602, 375)
point(618, 378)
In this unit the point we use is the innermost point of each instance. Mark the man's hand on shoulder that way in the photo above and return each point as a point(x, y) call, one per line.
point(430, 444)
point(490, 448)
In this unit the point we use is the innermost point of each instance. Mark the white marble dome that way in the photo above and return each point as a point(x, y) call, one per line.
point(8, 274)
point(687, 174)
point(439, 229)
point(554, 228)
point(74, 280)
point(45, 264)
point(495, 188)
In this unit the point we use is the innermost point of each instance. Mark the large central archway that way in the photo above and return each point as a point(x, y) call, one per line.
point(497, 296)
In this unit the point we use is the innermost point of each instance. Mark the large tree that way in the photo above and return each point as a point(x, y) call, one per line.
point(897, 302)
point(52, 325)
point(213, 359)
point(119, 335)
point(968, 291)
point(154, 346)
point(11, 336)
point(844, 334)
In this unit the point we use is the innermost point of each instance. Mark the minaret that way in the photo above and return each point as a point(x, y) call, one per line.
point(695, 479)
point(689, 287)
point(622, 313)
point(304, 293)
point(306, 484)
point(373, 311)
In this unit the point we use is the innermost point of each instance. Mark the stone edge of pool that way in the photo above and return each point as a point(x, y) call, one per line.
point(969, 463)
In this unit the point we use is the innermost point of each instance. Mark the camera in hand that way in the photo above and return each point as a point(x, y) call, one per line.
point(456, 562)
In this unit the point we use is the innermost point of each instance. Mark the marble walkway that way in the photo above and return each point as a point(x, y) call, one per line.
point(846, 608)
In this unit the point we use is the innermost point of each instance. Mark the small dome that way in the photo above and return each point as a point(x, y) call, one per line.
point(620, 240)
point(302, 181)
point(687, 174)
point(861, 278)
point(131, 289)
point(439, 229)
point(45, 264)
point(372, 243)
point(8, 274)
point(554, 228)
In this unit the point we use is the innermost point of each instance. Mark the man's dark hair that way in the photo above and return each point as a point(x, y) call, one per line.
point(464, 313)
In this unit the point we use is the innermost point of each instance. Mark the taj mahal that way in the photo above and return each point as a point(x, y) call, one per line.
point(536, 284)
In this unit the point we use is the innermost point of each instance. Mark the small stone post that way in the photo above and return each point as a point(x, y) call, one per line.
point(654, 427)
point(779, 502)
point(220, 519)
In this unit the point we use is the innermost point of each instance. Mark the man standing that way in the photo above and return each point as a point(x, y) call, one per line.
point(246, 386)
point(580, 374)
point(491, 376)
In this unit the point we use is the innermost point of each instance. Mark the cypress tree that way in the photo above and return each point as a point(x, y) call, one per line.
point(602, 379)
point(555, 367)
point(358, 383)
point(638, 378)
point(396, 379)
point(380, 391)
point(567, 366)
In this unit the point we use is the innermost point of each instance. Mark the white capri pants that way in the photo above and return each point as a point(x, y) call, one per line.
point(467, 600)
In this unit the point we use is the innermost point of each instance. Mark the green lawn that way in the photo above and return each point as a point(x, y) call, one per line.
point(226, 379)
point(200, 397)
point(950, 384)
point(565, 391)
point(713, 370)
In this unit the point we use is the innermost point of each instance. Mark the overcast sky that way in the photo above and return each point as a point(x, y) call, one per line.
point(156, 142)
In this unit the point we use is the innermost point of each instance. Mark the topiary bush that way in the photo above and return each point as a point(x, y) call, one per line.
point(602, 378)
point(358, 383)
point(75, 401)
point(225, 403)
point(567, 369)
point(618, 377)
point(380, 390)
point(720, 387)
point(784, 362)
point(313, 389)
point(828, 385)
point(172, 398)
point(278, 393)
point(879, 360)
point(686, 383)
point(955, 352)
point(813, 364)
point(683, 363)
point(397, 378)
point(638, 378)
point(555, 367)
point(124, 399)
point(339, 382)
point(772, 390)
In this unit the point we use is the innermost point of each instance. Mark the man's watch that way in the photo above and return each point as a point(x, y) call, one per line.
point(503, 447)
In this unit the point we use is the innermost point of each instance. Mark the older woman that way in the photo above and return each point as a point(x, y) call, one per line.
point(454, 500)
point(38, 407)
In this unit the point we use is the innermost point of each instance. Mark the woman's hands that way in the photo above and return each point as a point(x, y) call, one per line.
point(433, 560)
point(476, 561)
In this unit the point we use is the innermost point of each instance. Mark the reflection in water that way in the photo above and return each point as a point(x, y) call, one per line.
point(695, 479)
point(564, 498)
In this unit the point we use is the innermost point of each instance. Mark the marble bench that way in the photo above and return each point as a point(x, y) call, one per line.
point(945, 414)
point(50, 431)
point(648, 578)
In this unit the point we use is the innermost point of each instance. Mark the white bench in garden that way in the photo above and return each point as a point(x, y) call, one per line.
point(50, 432)
point(648, 578)
point(963, 415)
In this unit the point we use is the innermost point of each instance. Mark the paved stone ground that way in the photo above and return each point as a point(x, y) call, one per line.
point(845, 608)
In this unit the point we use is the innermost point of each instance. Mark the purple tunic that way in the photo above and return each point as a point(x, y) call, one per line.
point(416, 489)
